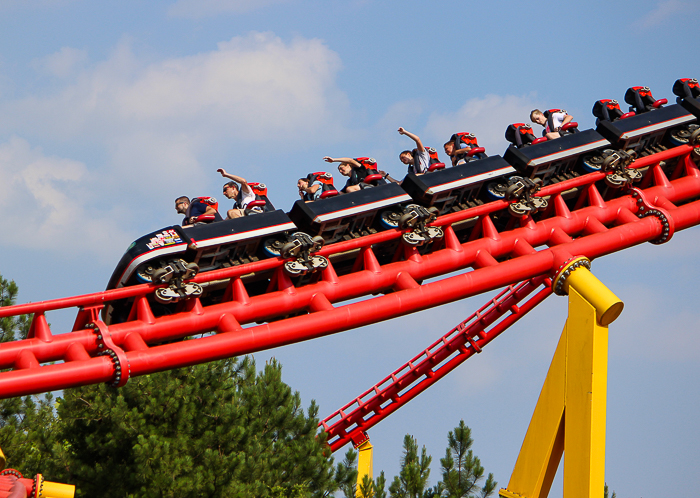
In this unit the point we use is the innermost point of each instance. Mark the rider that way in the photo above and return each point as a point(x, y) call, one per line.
point(459, 146)
point(357, 170)
point(199, 210)
point(241, 195)
point(552, 123)
point(309, 191)
point(418, 159)
point(352, 169)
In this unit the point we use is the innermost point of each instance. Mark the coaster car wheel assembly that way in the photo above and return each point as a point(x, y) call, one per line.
point(300, 246)
point(617, 166)
point(522, 191)
point(416, 218)
point(174, 273)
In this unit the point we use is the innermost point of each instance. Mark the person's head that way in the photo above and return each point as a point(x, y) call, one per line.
point(345, 169)
point(231, 190)
point(406, 157)
point(181, 204)
point(537, 116)
point(303, 183)
point(449, 148)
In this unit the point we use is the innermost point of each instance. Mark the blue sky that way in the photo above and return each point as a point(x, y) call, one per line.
point(110, 110)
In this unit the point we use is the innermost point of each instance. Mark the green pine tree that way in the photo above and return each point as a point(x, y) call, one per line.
point(26, 424)
point(209, 430)
point(12, 328)
point(461, 469)
point(415, 471)
point(605, 493)
point(380, 486)
point(216, 430)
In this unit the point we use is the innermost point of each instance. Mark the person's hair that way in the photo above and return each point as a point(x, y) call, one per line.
point(535, 112)
point(304, 179)
point(406, 152)
point(449, 142)
point(182, 198)
point(232, 184)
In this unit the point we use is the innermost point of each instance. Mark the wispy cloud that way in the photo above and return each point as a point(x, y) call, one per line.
point(58, 199)
point(145, 128)
point(663, 11)
point(485, 117)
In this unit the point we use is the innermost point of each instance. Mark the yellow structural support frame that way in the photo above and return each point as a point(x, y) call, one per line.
point(364, 465)
point(569, 418)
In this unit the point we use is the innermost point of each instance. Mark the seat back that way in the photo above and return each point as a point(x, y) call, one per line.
point(520, 134)
point(641, 100)
point(686, 88)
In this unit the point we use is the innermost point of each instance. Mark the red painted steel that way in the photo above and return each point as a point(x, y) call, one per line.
point(489, 260)
point(405, 383)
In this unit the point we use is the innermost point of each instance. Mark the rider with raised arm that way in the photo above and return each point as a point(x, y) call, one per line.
point(241, 195)
point(348, 167)
point(418, 159)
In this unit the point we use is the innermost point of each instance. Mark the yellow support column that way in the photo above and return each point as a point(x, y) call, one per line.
point(569, 418)
point(364, 465)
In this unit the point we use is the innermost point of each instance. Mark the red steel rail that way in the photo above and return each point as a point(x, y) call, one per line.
point(405, 383)
point(94, 352)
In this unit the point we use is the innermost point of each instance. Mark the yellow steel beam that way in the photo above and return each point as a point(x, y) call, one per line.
point(58, 490)
point(364, 465)
point(569, 418)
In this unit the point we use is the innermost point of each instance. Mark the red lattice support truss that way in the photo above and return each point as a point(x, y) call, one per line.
point(440, 358)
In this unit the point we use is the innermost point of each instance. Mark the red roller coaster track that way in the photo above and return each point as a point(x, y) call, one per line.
point(529, 253)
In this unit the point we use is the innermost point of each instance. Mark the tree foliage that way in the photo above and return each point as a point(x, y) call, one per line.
point(11, 328)
point(210, 430)
point(462, 471)
point(414, 473)
point(219, 429)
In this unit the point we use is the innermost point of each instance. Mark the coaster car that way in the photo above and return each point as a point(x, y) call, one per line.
point(177, 252)
point(652, 123)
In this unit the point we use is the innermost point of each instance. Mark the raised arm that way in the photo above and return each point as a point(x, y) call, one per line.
point(244, 184)
point(348, 160)
point(413, 137)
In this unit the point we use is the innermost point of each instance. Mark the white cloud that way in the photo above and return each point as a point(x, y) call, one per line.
point(53, 203)
point(147, 129)
point(485, 117)
point(246, 89)
point(195, 9)
point(663, 11)
point(63, 63)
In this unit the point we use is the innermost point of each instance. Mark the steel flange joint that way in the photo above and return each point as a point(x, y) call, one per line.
point(567, 269)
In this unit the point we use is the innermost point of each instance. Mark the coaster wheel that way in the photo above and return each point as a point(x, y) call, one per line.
point(390, 218)
point(680, 136)
point(413, 239)
point(295, 268)
point(158, 276)
point(144, 273)
point(496, 191)
point(273, 247)
point(519, 209)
